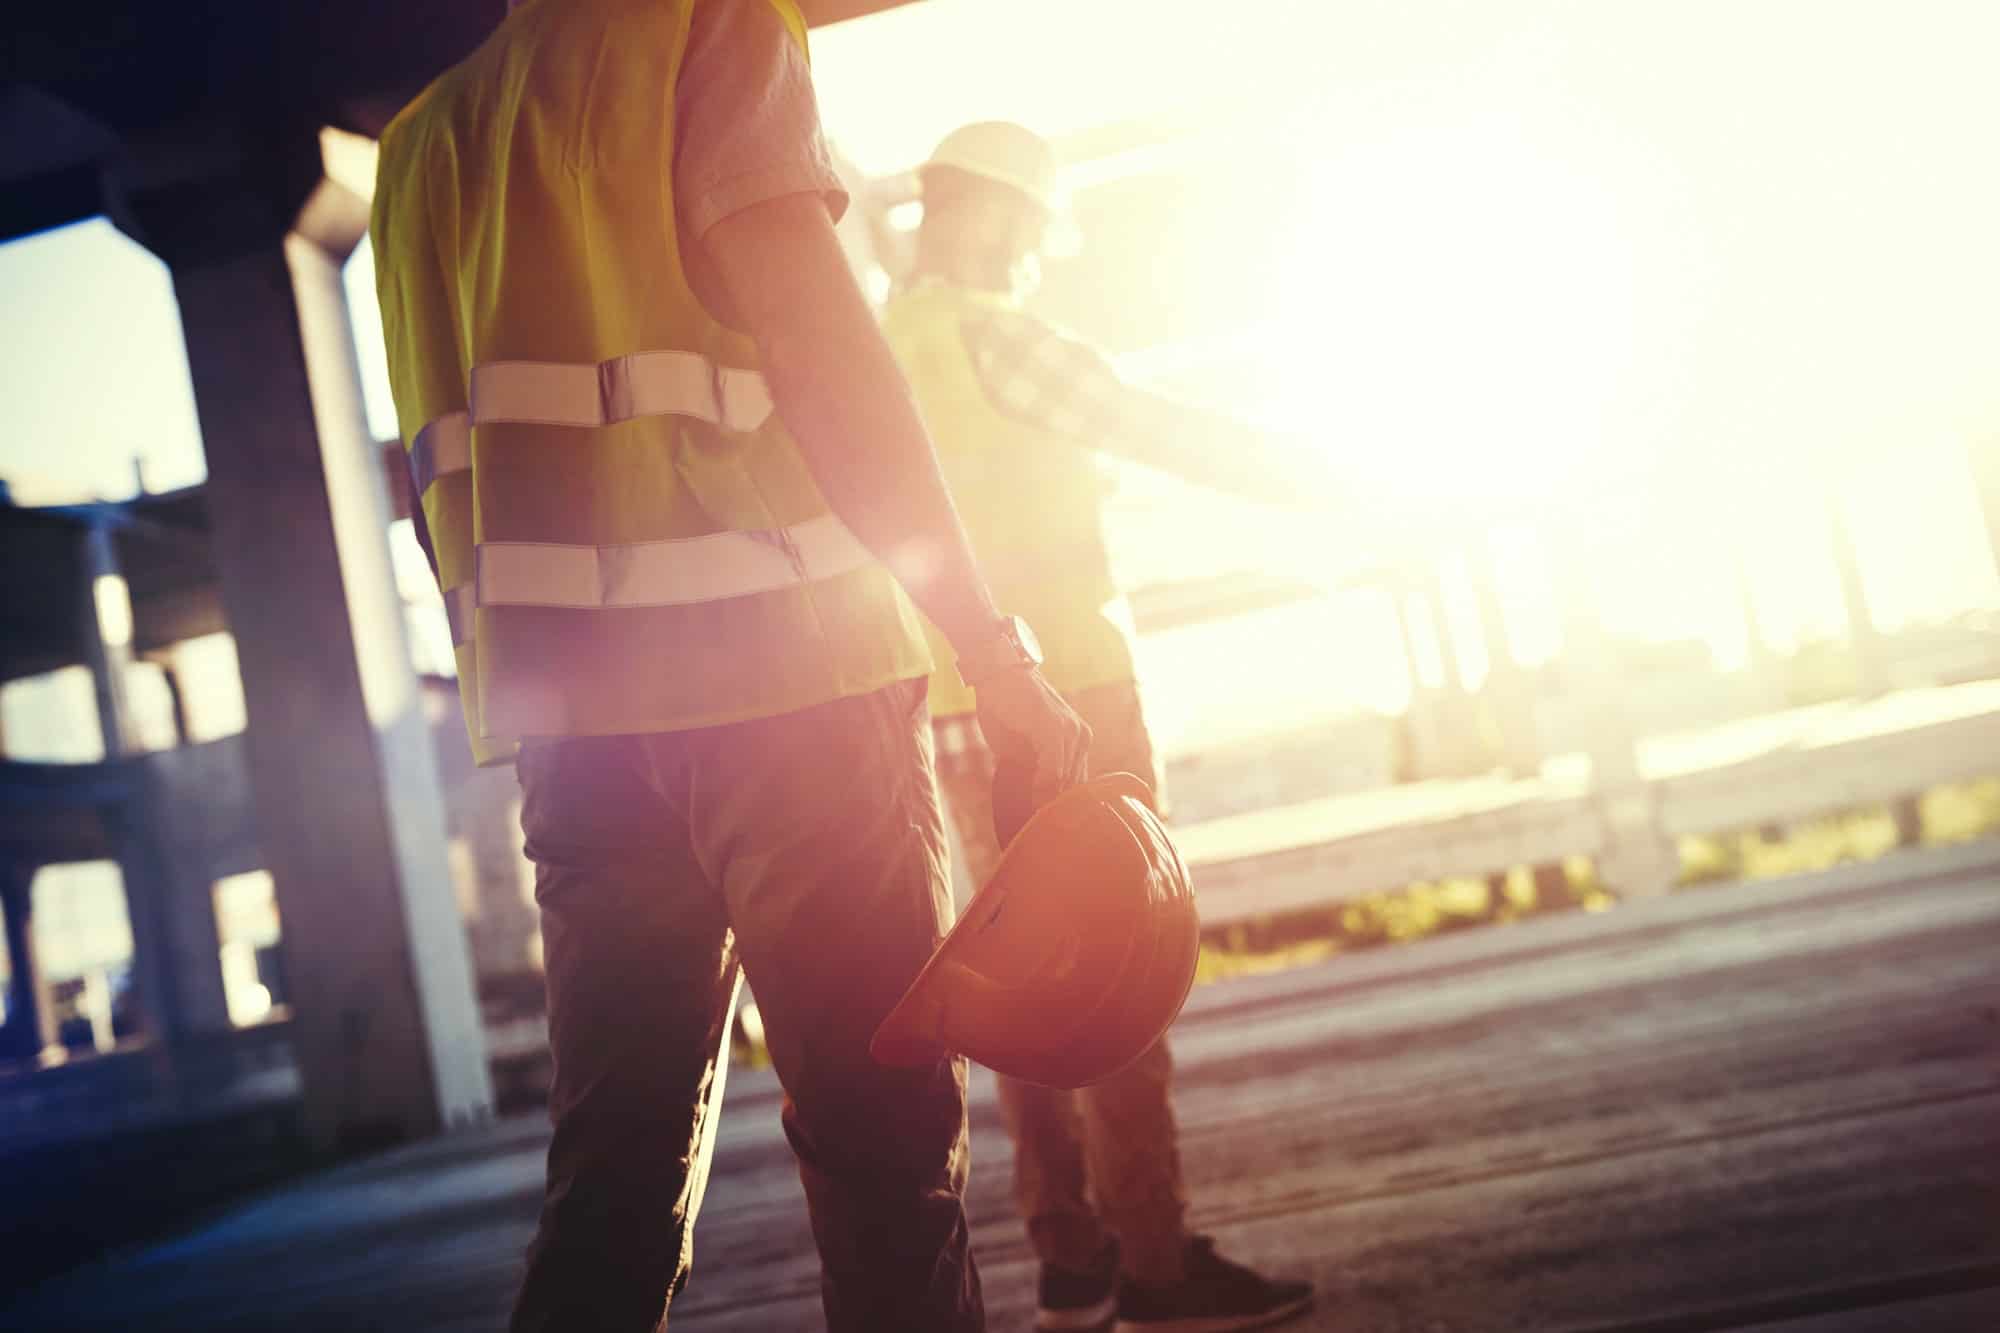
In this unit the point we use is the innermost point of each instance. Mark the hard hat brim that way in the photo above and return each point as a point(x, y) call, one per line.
point(913, 1033)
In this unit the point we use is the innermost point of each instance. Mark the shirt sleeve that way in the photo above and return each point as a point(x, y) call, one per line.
point(747, 124)
point(1057, 382)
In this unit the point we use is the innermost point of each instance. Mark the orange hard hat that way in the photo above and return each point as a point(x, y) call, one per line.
point(1075, 956)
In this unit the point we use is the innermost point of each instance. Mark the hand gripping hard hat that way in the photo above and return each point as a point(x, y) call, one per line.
point(1072, 960)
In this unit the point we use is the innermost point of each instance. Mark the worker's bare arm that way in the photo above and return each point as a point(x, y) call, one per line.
point(839, 391)
point(845, 401)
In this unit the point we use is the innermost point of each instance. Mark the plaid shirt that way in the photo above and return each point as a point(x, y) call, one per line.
point(1040, 375)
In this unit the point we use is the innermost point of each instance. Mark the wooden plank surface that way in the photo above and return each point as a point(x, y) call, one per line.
point(1766, 1105)
point(1340, 848)
point(1837, 756)
point(1763, 770)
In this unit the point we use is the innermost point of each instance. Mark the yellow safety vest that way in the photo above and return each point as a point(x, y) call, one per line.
point(627, 538)
point(1032, 502)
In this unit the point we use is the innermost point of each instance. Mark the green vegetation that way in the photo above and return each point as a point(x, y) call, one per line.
point(1271, 944)
point(1955, 812)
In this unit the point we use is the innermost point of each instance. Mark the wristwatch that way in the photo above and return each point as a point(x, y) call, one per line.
point(1009, 646)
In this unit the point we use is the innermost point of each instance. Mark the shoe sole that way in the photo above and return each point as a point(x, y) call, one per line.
point(1089, 1319)
point(1232, 1323)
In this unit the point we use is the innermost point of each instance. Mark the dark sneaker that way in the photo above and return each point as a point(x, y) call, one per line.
point(1215, 1296)
point(1069, 1302)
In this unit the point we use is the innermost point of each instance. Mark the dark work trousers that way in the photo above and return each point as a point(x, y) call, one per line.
point(807, 850)
point(1104, 1158)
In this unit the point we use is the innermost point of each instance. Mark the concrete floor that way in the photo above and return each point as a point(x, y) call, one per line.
point(1773, 1106)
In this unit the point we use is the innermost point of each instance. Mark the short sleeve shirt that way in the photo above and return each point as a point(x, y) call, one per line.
point(748, 124)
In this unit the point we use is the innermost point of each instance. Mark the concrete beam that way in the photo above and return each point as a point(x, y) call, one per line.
point(52, 162)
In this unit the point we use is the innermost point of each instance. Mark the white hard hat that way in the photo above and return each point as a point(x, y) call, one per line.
point(1003, 152)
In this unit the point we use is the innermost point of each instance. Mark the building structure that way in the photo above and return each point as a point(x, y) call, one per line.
point(345, 813)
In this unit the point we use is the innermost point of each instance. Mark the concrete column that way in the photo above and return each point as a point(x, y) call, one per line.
point(1984, 456)
point(176, 700)
point(1552, 884)
point(1506, 687)
point(1760, 661)
point(1430, 587)
point(177, 956)
point(27, 1029)
point(385, 1025)
point(1459, 748)
point(1870, 653)
point(200, 1004)
point(199, 824)
point(486, 814)
point(174, 1002)
point(1639, 860)
point(1423, 714)
point(104, 628)
point(147, 905)
point(1589, 670)
point(1908, 812)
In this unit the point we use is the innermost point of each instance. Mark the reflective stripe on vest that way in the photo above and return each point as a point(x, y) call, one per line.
point(556, 393)
point(440, 449)
point(672, 572)
point(640, 385)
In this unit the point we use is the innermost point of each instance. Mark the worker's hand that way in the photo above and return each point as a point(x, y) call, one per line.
point(1031, 729)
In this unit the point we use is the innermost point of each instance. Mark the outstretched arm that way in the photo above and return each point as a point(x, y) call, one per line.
point(1215, 450)
point(1063, 385)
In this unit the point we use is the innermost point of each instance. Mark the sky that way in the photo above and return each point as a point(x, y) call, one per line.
point(1696, 269)
point(97, 373)
point(1703, 268)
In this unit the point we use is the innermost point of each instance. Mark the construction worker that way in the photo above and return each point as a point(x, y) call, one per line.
point(675, 492)
point(1018, 409)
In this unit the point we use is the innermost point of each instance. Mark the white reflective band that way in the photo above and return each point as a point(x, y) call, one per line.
point(640, 385)
point(558, 393)
point(458, 603)
point(667, 573)
point(441, 448)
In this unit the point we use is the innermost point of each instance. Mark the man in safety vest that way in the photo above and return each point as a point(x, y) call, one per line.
point(675, 492)
point(1018, 409)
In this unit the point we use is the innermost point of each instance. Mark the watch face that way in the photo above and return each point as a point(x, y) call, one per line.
point(1014, 645)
